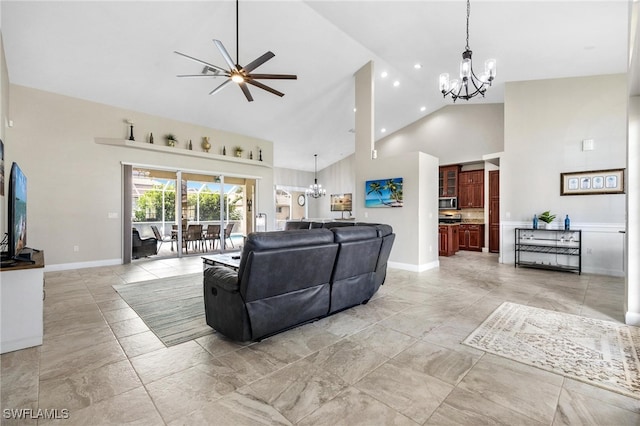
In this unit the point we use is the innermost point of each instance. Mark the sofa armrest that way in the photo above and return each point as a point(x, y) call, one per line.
point(222, 277)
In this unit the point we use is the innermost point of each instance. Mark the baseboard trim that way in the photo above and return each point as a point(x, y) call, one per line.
point(414, 268)
point(80, 265)
point(632, 318)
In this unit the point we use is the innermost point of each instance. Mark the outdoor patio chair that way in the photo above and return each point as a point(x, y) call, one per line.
point(212, 234)
point(160, 238)
point(227, 233)
point(193, 236)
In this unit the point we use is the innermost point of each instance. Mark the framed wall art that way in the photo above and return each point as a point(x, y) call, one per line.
point(383, 193)
point(592, 182)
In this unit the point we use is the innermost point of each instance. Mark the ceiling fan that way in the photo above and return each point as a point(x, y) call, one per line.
point(237, 73)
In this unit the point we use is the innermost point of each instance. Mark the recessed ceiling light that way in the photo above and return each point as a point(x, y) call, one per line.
point(423, 108)
point(396, 83)
point(384, 74)
point(383, 130)
point(417, 66)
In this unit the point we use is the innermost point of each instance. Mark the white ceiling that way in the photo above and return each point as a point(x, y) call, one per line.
point(121, 53)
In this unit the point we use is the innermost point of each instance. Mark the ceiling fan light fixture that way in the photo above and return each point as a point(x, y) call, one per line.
point(242, 76)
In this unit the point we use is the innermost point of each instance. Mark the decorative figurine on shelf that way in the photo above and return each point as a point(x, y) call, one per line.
point(150, 137)
point(171, 139)
point(130, 123)
point(190, 146)
point(260, 158)
point(206, 146)
point(250, 155)
point(238, 151)
point(224, 150)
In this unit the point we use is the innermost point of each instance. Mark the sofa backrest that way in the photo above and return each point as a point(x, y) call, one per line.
point(296, 224)
point(352, 281)
point(279, 262)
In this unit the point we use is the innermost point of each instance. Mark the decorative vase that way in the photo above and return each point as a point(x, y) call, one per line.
point(238, 153)
point(206, 146)
point(171, 142)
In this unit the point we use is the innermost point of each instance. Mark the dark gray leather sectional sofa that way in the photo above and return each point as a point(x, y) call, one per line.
point(287, 278)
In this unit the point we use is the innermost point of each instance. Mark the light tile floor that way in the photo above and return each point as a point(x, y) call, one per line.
point(396, 360)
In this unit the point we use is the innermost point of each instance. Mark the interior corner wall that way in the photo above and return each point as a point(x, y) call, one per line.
point(75, 184)
point(416, 222)
point(456, 134)
point(545, 124)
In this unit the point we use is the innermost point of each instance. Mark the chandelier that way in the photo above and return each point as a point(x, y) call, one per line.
point(316, 190)
point(469, 84)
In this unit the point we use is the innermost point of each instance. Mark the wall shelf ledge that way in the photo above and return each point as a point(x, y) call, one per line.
point(178, 151)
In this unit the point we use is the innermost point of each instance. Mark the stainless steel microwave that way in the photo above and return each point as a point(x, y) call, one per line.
point(448, 203)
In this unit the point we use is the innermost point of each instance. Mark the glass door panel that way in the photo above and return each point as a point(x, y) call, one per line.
point(153, 210)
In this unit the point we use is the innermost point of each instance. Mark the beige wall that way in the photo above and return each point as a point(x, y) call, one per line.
point(75, 183)
point(545, 124)
point(456, 134)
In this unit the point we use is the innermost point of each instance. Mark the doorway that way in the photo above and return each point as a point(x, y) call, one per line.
point(215, 213)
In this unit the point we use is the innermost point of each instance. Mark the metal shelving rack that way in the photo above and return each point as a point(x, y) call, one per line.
point(554, 249)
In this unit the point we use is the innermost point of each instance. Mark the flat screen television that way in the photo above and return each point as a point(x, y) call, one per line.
point(17, 217)
point(341, 203)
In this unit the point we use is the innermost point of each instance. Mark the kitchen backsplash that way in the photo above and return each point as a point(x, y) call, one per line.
point(472, 215)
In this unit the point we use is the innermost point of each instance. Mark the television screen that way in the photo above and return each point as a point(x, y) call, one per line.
point(341, 203)
point(17, 211)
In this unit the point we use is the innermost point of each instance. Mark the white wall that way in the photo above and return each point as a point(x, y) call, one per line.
point(416, 223)
point(545, 124)
point(74, 183)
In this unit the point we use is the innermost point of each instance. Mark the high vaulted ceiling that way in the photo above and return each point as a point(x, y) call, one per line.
point(121, 53)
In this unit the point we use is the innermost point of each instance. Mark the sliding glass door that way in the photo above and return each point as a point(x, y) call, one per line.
point(215, 213)
point(153, 212)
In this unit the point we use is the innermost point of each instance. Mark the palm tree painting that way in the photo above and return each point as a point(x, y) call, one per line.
point(383, 193)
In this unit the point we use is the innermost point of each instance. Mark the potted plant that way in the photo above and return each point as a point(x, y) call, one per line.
point(171, 139)
point(238, 150)
point(547, 218)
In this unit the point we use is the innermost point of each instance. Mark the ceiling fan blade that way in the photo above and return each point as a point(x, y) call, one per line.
point(201, 75)
point(225, 54)
point(267, 88)
point(246, 92)
point(219, 88)
point(259, 61)
point(274, 76)
point(202, 62)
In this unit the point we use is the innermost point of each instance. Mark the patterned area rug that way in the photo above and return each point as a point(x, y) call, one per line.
point(173, 308)
point(597, 352)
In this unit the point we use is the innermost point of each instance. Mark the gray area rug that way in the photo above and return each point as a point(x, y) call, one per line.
point(173, 308)
point(601, 353)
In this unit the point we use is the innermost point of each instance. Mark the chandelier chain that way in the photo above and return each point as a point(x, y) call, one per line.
point(470, 84)
point(468, 13)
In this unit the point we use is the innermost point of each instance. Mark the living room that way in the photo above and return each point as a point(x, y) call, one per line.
point(75, 182)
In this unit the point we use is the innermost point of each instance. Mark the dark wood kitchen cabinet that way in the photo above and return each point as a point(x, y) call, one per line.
point(471, 189)
point(448, 236)
point(448, 181)
point(471, 237)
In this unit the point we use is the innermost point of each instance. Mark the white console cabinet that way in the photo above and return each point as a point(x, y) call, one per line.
point(21, 305)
